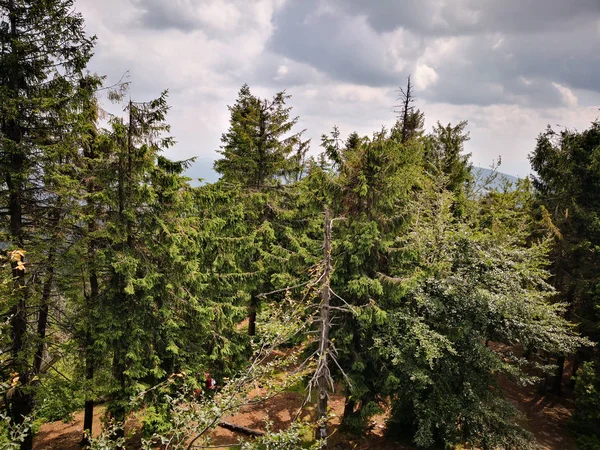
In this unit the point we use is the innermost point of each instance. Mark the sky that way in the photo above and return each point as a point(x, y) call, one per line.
point(509, 67)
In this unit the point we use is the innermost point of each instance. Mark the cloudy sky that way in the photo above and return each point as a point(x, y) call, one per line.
point(509, 67)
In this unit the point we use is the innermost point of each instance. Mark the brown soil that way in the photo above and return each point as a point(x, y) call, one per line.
point(281, 410)
point(548, 416)
point(67, 436)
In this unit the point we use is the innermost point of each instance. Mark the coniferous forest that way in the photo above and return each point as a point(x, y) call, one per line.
point(378, 270)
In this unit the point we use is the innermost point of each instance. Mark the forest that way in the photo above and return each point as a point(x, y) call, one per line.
point(381, 269)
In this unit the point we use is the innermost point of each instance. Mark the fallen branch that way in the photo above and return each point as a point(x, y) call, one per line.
point(240, 429)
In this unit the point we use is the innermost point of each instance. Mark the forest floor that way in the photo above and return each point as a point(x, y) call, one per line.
point(547, 417)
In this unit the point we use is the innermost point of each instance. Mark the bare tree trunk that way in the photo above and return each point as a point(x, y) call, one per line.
point(406, 108)
point(323, 376)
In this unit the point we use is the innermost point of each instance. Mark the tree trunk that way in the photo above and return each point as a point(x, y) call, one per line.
point(558, 376)
point(348, 409)
point(406, 111)
point(252, 309)
point(323, 375)
point(88, 408)
point(46, 293)
point(574, 370)
point(240, 429)
point(88, 414)
point(43, 314)
point(90, 358)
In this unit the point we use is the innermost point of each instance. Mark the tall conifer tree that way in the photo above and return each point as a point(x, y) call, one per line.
point(260, 151)
point(43, 52)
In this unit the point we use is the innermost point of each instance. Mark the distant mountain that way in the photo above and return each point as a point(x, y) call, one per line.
point(203, 169)
point(481, 175)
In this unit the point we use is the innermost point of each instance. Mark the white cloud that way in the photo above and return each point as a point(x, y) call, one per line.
point(282, 71)
point(217, 14)
point(342, 61)
point(424, 76)
point(566, 95)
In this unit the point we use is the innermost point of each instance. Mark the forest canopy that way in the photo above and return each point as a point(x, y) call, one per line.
point(378, 267)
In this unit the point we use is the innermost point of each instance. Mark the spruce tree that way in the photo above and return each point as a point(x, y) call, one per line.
point(444, 155)
point(43, 52)
point(148, 311)
point(410, 122)
point(258, 155)
point(567, 181)
point(258, 147)
point(375, 178)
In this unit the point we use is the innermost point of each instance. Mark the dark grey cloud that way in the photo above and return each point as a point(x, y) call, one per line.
point(452, 17)
point(513, 51)
point(501, 64)
point(518, 69)
point(218, 19)
point(160, 14)
point(343, 46)
point(429, 16)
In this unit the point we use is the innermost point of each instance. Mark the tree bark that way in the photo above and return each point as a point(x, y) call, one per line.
point(574, 370)
point(88, 414)
point(348, 409)
point(240, 429)
point(43, 314)
point(406, 108)
point(558, 376)
point(90, 359)
point(323, 375)
point(252, 310)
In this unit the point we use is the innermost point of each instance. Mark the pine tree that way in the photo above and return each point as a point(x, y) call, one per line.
point(567, 180)
point(444, 155)
point(258, 154)
point(43, 51)
point(410, 122)
point(257, 150)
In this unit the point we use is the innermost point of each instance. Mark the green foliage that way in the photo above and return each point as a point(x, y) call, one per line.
point(587, 413)
point(256, 151)
point(155, 421)
point(444, 157)
point(140, 283)
point(456, 288)
point(43, 55)
point(57, 399)
point(567, 164)
point(292, 438)
point(14, 434)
